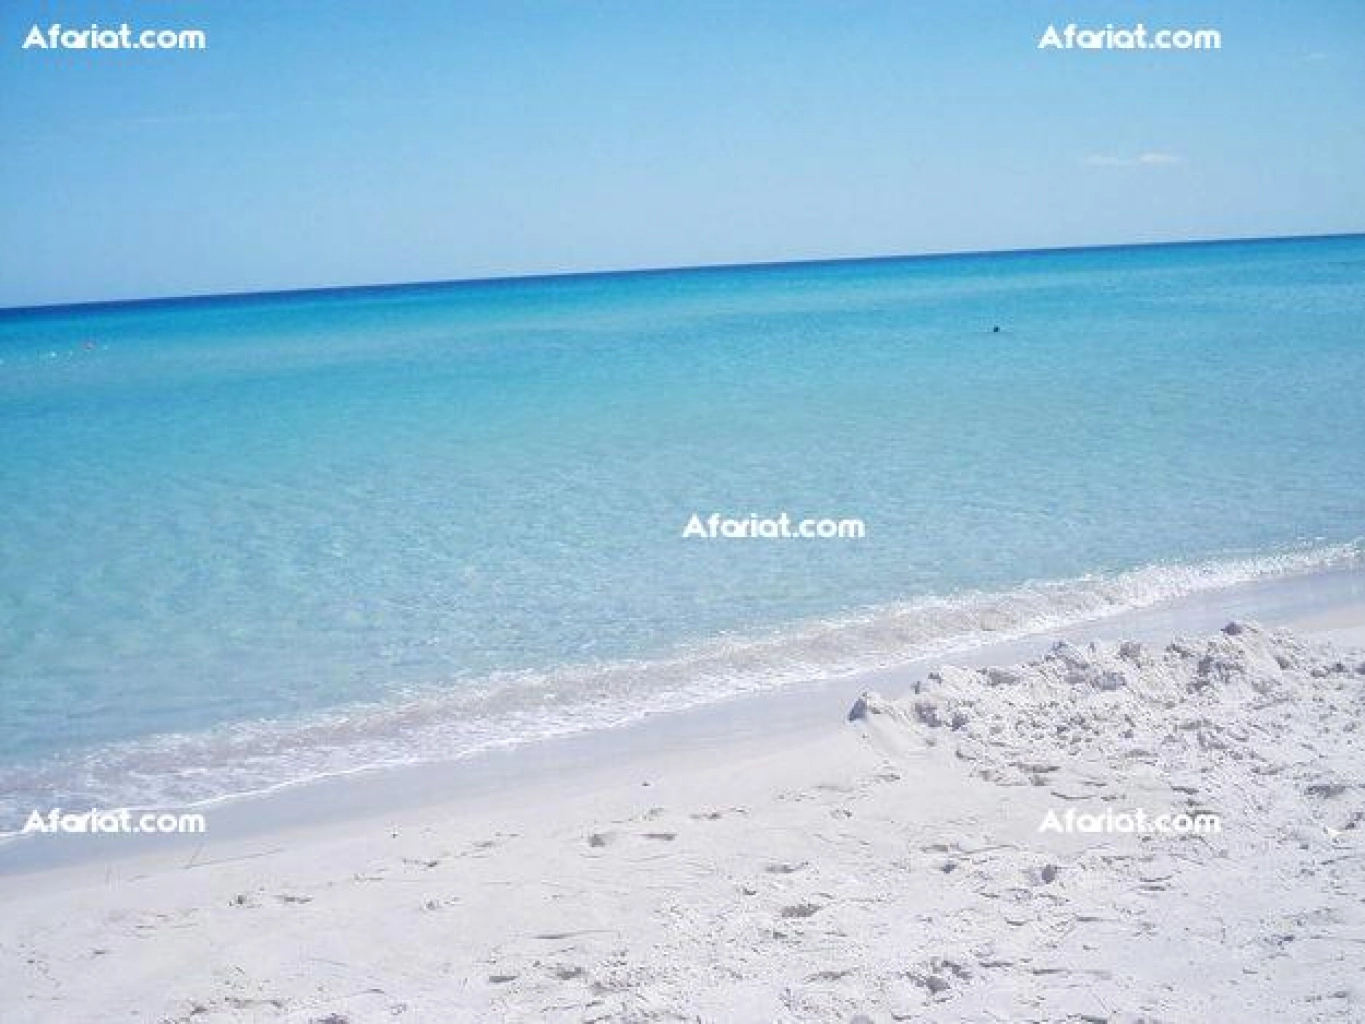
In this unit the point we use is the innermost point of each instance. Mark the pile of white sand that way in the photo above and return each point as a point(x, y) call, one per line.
point(1215, 720)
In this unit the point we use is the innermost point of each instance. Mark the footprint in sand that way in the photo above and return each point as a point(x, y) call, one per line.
point(599, 840)
point(719, 813)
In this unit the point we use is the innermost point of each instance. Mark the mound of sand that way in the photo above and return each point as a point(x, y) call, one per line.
point(1233, 719)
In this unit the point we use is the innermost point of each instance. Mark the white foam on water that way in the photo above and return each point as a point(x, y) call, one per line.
point(248, 758)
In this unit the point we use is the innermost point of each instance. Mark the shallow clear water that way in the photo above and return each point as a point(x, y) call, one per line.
point(250, 539)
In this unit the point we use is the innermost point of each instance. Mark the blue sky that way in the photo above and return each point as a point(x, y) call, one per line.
point(317, 144)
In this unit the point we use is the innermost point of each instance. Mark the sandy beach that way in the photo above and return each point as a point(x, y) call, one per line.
point(622, 513)
point(889, 864)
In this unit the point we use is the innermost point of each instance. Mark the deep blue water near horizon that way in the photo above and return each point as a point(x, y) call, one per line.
point(252, 539)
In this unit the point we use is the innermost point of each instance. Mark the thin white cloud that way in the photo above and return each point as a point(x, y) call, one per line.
point(1141, 160)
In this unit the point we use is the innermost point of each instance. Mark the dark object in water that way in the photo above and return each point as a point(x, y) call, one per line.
point(995, 329)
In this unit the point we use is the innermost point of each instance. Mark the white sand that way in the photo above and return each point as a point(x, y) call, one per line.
point(889, 868)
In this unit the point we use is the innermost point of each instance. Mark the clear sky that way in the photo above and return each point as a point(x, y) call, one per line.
point(324, 143)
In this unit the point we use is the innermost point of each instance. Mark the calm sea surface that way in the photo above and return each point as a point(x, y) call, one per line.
point(249, 540)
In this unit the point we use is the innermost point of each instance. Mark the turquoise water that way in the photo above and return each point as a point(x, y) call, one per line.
point(250, 540)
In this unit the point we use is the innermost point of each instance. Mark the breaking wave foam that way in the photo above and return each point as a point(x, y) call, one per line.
point(253, 757)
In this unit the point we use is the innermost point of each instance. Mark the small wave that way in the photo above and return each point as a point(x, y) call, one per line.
point(188, 769)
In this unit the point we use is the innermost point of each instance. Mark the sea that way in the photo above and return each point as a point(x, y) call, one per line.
point(248, 541)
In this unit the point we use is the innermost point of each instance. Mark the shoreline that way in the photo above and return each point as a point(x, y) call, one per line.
point(220, 765)
point(1329, 603)
point(818, 869)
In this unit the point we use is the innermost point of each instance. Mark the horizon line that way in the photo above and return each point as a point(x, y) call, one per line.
point(209, 297)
